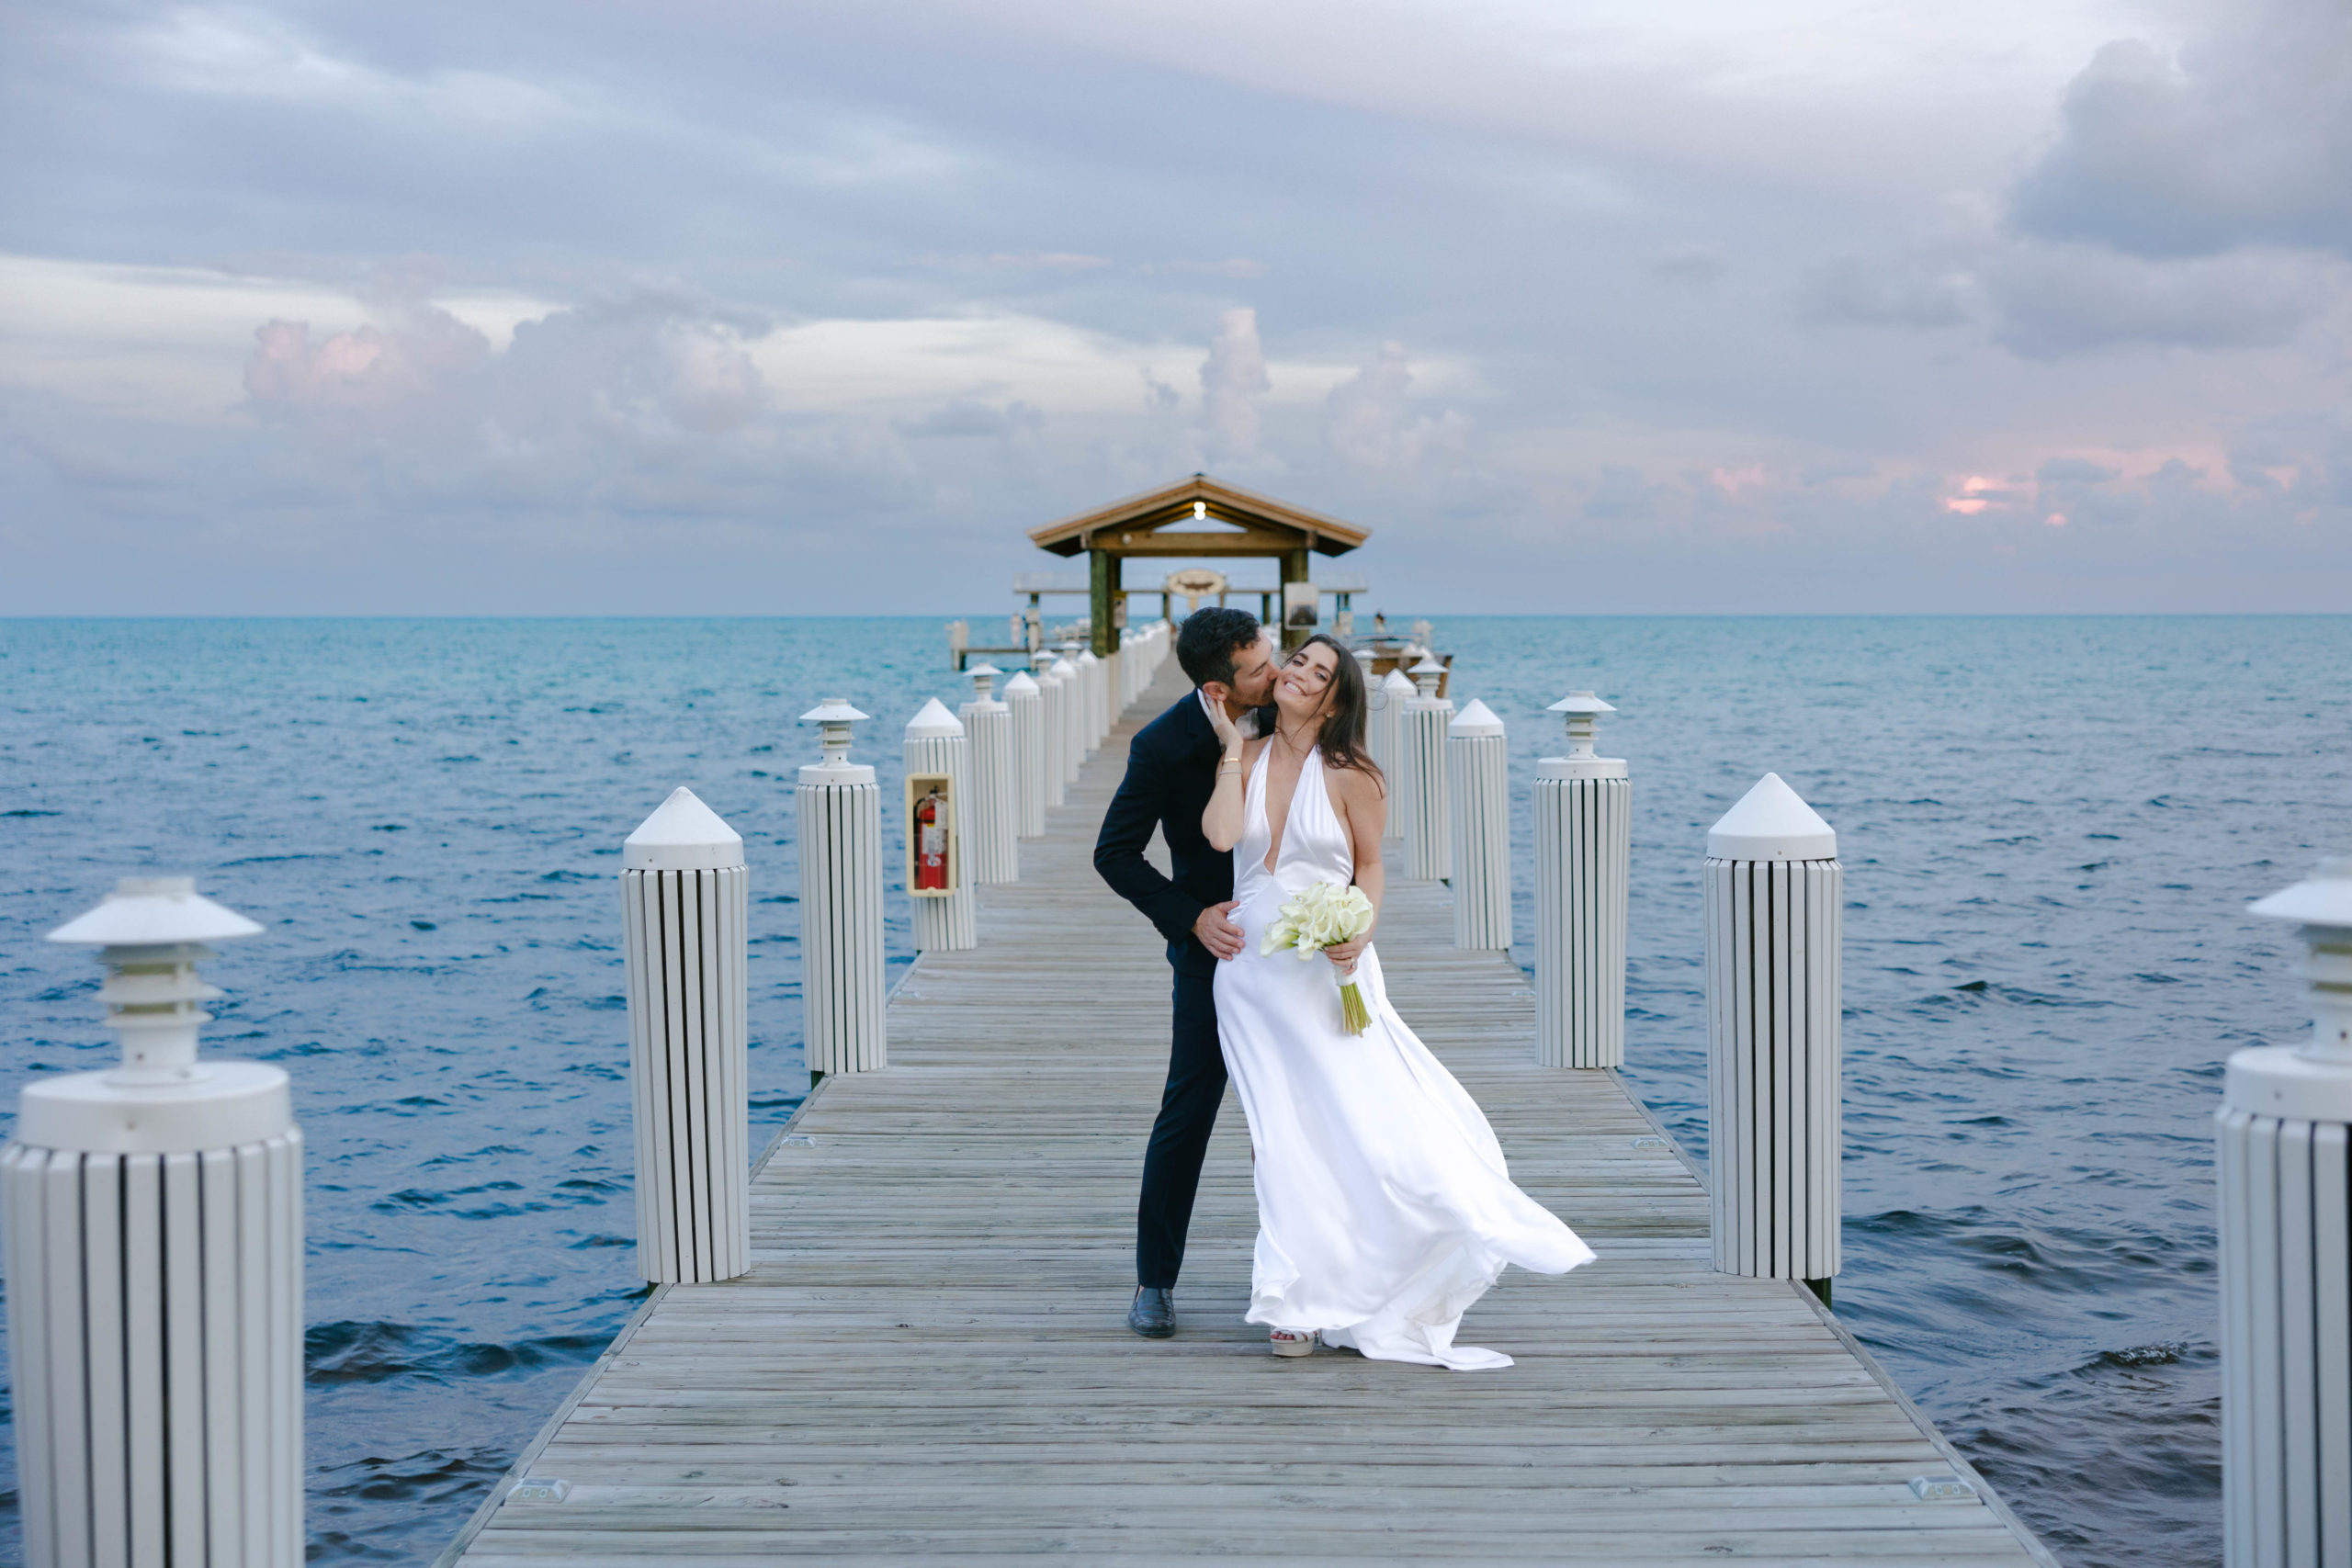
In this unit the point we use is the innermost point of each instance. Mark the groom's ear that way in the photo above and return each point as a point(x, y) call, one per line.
point(1217, 691)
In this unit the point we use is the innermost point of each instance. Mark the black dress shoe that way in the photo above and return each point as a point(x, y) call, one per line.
point(1154, 1314)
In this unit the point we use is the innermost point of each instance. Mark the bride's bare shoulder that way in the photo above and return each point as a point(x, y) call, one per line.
point(1354, 786)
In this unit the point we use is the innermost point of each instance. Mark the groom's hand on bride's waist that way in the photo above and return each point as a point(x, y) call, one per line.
point(1217, 933)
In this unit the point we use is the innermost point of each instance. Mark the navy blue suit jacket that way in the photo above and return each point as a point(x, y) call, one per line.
point(1172, 772)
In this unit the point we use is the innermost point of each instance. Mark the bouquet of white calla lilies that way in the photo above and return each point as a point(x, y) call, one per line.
point(1322, 915)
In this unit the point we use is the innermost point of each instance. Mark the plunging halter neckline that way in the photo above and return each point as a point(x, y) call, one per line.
point(1278, 842)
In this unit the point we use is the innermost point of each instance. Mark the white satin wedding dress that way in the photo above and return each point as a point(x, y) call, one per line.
point(1384, 1209)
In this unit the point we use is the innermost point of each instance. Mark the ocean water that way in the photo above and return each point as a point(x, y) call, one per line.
point(2050, 828)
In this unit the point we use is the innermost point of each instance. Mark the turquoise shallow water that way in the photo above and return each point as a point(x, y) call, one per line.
point(2051, 826)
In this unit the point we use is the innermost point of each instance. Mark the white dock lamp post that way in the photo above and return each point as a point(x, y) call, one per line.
point(996, 813)
point(1421, 795)
point(1478, 789)
point(153, 1217)
point(946, 920)
point(840, 901)
point(2286, 1222)
point(1584, 848)
point(1026, 702)
point(686, 921)
point(1774, 902)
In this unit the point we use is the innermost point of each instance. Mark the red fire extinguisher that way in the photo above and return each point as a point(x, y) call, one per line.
point(931, 843)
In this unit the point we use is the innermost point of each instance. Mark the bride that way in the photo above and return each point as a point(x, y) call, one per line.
point(1384, 1209)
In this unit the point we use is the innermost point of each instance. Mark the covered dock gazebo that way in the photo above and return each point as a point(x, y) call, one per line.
point(1194, 518)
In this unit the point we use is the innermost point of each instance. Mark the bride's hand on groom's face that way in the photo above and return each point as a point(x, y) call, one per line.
point(1229, 733)
point(1218, 933)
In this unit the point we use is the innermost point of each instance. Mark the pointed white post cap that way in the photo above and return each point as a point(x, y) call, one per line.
point(154, 911)
point(682, 834)
point(1394, 682)
point(1022, 683)
point(1475, 720)
point(1581, 702)
point(1428, 666)
point(979, 670)
point(932, 721)
point(1087, 656)
point(1771, 822)
point(1063, 668)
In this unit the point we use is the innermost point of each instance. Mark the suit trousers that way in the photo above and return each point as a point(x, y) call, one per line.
point(1180, 1137)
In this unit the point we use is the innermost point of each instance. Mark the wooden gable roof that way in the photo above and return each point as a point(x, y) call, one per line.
point(1153, 524)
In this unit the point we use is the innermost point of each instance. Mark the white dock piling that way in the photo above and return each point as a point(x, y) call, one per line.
point(1429, 845)
point(1584, 846)
point(2286, 1224)
point(1025, 700)
point(1093, 675)
point(996, 811)
point(936, 744)
point(1477, 790)
point(685, 919)
point(840, 901)
point(1385, 733)
point(153, 1221)
point(1070, 727)
point(1774, 894)
point(1053, 693)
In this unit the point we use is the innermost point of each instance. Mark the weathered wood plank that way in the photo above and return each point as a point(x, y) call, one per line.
point(927, 1364)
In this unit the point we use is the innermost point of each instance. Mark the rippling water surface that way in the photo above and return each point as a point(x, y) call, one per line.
point(2050, 828)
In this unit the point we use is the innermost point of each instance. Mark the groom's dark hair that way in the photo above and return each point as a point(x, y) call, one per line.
point(1210, 639)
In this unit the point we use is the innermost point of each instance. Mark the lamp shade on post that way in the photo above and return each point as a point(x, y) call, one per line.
point(2286, 1225)
point(1477, 784)
point(840, 807)
point(1774, 897)
point(1584, 841)
point(685, 923)
point(995, 812)
point(154, 1229)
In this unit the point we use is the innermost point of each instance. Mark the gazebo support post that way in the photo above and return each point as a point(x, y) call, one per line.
point(1103, 582)
point(1295, 569)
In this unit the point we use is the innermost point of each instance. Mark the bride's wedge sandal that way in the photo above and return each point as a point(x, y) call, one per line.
point(1291, 1342)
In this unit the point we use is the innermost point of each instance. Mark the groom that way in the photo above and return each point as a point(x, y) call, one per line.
point(1172, 772)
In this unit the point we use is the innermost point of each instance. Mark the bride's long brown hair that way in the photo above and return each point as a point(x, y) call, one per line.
point(1343, 734)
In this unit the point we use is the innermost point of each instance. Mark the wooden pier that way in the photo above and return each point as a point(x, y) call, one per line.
point(928, 1364)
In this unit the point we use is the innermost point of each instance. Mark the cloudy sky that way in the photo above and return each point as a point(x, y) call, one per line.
point(1730, 305)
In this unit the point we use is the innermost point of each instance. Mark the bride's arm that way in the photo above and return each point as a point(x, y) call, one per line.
point(1363, 807)
point(1221, 824)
